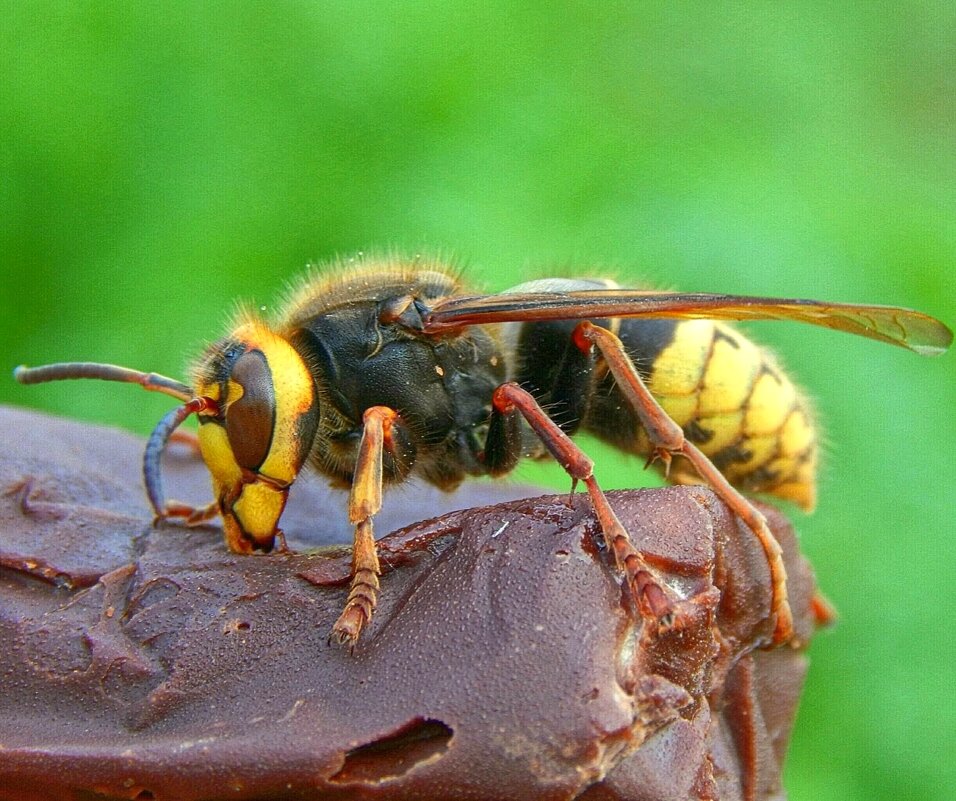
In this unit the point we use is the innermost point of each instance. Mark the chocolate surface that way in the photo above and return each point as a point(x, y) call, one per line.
point(504, 661)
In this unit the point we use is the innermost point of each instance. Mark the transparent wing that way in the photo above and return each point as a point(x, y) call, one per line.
point(906, 328)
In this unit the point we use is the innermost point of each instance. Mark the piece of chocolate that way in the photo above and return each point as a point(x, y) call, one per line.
point(504, 660)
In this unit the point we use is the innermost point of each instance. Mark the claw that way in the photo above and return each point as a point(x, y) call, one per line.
point(348, 628)
point(574, 485)
point(663, 455)
point(359, 607)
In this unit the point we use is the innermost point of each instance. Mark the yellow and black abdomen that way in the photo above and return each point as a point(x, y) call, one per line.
point(730, 397)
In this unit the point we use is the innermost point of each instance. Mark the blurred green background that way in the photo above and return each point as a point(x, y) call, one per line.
point(160, 161)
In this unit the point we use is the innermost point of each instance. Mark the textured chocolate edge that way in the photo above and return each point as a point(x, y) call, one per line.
point(504, 660)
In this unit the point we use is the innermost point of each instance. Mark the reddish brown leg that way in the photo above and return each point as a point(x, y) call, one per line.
point(668, 440)
point(824, 613)
point(365, 501)
point(194, 515)
point(653, 598)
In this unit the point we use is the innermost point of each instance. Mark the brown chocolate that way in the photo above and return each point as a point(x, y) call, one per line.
point(504, 661)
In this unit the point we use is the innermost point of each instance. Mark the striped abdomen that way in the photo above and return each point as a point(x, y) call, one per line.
point(729, 396)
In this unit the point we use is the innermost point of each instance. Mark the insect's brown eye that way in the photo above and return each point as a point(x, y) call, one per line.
point(250, 420)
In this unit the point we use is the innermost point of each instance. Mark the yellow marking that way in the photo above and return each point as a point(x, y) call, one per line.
point(217, 454)
point(796, 435)
point(258, 509)
point(225, 475)
point(294, 395)
point(782, 465)
point(797, 448)
point(208, 390)
point(677, 372)
point(442, 372)
point(681, 409)
point(725, 428)
point(802, 492)
point(258, 506)
point(761, 448)
point(733, 389)
point(680, 366)
point(234, 392)
point(729, 374)
point(769, 405)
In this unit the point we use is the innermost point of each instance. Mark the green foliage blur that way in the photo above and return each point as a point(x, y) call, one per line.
point(162, 160)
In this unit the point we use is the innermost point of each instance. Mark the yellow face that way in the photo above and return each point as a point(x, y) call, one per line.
point(258, 438)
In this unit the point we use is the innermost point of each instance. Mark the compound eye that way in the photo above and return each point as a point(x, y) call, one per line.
point(250, 420)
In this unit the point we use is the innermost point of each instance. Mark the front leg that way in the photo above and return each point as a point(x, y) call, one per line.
point(365, 500)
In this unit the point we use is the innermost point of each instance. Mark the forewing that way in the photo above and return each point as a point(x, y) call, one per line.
point(906, 328)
